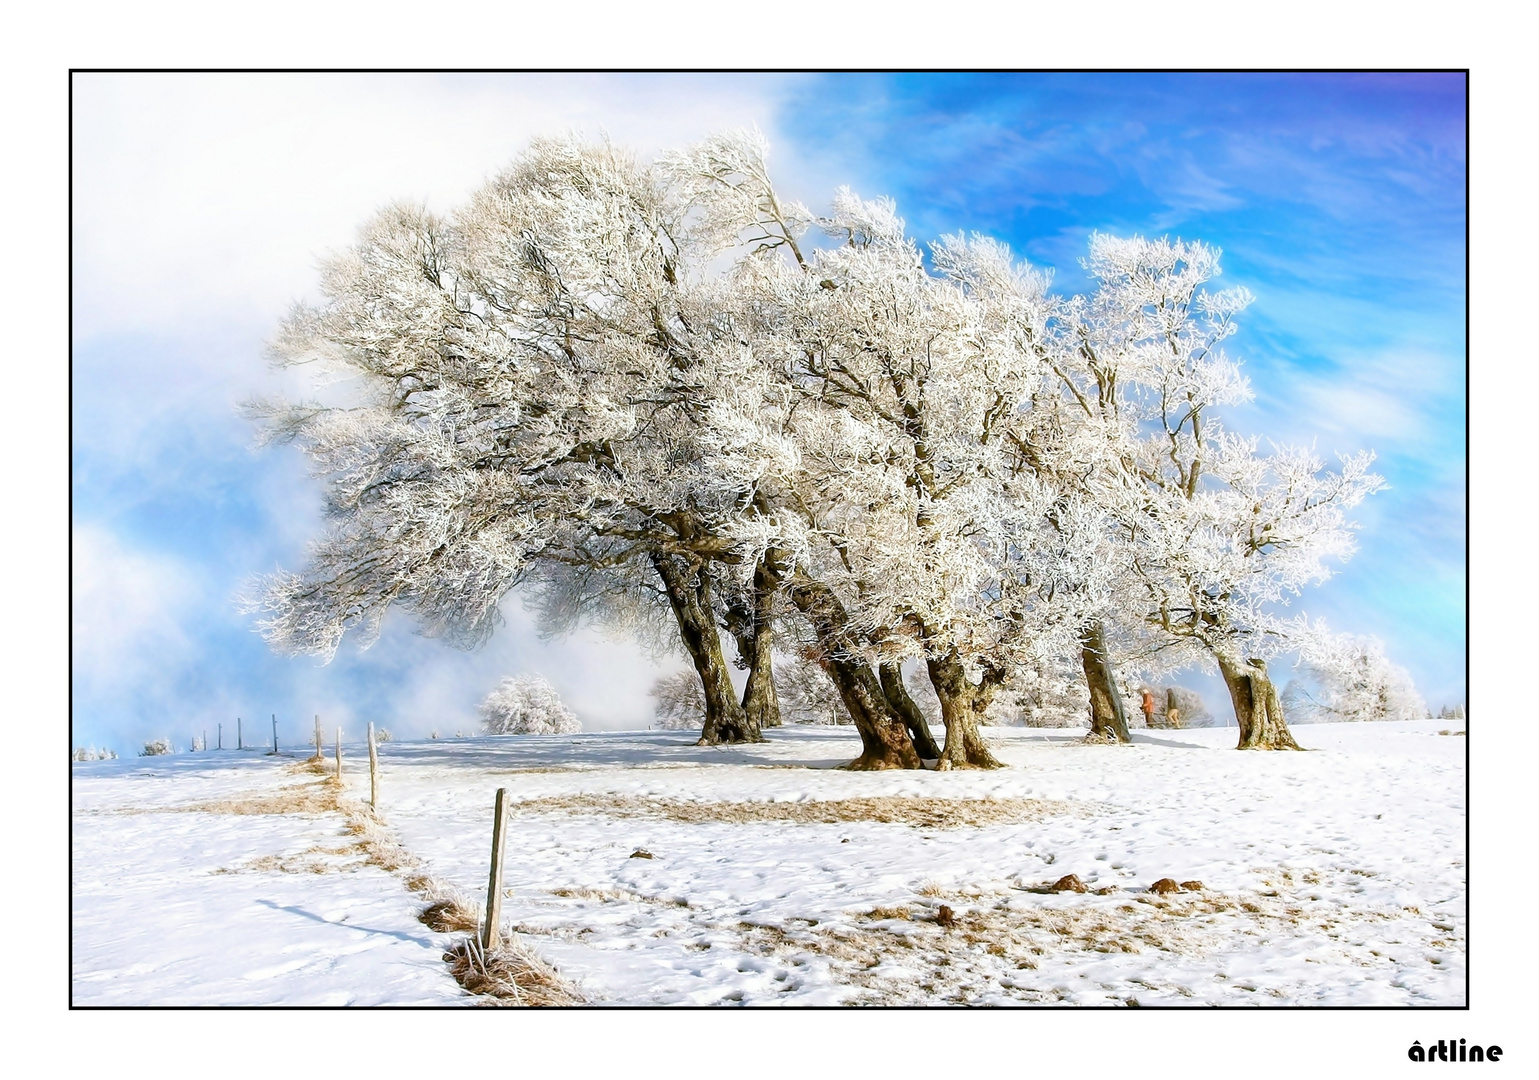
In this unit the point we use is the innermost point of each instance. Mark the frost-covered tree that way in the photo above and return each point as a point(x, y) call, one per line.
point(156, 747)
point(548, 375)
point(636, 392)
point(1220, 537)
point(1350, 678)
point(923, 492)
point(526, 705)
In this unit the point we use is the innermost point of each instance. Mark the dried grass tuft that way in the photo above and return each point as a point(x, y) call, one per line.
point(449, 916)
point(303, 799)
point(918, 812)
point(509, 975)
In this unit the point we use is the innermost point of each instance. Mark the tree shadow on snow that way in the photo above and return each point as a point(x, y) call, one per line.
point(415, 939)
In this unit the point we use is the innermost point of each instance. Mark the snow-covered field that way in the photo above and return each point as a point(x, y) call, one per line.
point(1335, 877)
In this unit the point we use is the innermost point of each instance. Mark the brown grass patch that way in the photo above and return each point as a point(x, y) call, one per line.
point(448, 917)
point(918, 812)
point(300, 799)
point(508, 975)
point(302, 862)
point(995, 946)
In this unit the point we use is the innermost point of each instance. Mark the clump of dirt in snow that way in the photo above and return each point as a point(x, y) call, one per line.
point(919, 812)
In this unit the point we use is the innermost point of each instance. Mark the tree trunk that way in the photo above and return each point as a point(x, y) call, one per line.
point(962, 704)
point(688, 591)
point(884, 738)
point(1256, 706)
point(1108, 718)
point(751, 623)
point(897, 695)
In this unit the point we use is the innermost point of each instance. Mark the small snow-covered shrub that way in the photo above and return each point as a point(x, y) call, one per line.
point(91, 753)
point(680, 701)
point(382, 735)
point(526, 705)
point(1044, 695)
point(807, 694)
point(156, 748)
point(1352, 680)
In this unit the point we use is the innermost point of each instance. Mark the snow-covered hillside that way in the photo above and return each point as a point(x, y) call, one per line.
point(1330, 877)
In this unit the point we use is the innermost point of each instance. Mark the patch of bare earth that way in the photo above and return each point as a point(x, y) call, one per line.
point(919, 812)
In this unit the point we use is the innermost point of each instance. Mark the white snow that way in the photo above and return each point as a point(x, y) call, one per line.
point(1331, 877)
point(158, 918)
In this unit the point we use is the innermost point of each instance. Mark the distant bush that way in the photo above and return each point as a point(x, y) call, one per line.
point(679, 701)
point(91, 753)
point(382, 735)
point(807, 694)
point(1353, 680)
point(526, 705)
point(156, 748)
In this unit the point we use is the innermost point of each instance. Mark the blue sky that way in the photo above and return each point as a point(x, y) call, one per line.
point(202, 204)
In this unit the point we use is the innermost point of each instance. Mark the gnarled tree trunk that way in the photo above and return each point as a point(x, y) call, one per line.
point(891, 675)
point(689, 594)
point(962, 705)
point(750, 621)
point(884, 738)
point(1108, 717)
point(1256, 705)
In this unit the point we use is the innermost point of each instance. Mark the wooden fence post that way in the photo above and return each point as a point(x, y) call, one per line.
point(220, 730)
point(320, 742)
point(240, 739)
point(339, 755)
point(275, 733)
point(494, 882)
point(373, 771)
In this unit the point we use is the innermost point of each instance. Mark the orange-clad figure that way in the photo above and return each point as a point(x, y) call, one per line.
point(1148, 708)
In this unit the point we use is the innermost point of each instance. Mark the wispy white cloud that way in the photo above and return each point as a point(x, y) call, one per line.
point(201, 196)
point(127, 611)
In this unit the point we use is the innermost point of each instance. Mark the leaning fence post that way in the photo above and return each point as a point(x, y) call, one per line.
point(339, 755)
point(373, 771)
point(494, 882)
